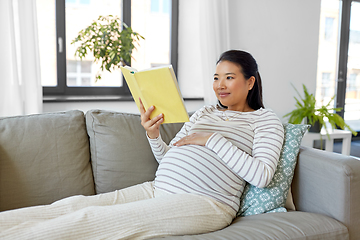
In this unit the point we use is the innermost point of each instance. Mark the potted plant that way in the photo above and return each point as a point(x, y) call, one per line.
point(306, 109)
point(110, 41)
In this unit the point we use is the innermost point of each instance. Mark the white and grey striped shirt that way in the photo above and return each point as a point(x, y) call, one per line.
point(245, 146)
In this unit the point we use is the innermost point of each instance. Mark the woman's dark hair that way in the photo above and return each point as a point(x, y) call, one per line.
point(248, 68)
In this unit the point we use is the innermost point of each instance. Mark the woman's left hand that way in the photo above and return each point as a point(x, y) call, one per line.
point(194, 139)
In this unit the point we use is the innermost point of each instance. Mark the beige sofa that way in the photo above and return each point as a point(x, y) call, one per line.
point(47, 157)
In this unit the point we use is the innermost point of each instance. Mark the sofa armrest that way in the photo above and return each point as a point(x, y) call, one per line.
point(328, 183)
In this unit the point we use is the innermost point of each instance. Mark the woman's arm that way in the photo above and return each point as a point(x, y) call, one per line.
point(257, 169)
point(159, 147)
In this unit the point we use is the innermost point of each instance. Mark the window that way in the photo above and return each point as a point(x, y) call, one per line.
point(158, 6)
point(155, 5)
point(339, 58)
point(59, 21)
point(355, 36)
point(78, 2)
point(156, 28)
point(351, 83)
point(79, 73)
point(329, 28)
point(326, 85)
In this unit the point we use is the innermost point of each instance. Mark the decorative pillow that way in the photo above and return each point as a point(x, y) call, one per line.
point(272, 198)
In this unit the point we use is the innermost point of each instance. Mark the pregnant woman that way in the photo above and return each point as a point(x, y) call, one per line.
point(201, 175)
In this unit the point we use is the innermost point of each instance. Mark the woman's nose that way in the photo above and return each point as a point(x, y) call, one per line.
point(221, 84)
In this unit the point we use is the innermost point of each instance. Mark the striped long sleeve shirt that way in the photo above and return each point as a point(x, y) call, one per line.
point(244, 147)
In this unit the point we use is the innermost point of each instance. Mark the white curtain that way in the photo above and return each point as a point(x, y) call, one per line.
point(20, 83)
point(203, 35)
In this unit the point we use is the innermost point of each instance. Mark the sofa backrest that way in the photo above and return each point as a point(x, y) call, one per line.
point(43, 158)
point(120, 152)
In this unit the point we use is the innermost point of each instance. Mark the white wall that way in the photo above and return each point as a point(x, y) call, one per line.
point(282, 36)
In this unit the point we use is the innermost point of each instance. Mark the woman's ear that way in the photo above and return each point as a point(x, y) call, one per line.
point(251, 82)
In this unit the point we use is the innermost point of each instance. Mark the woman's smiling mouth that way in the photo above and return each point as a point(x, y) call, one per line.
point(222, 94)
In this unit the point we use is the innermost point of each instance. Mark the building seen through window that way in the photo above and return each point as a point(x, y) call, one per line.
point(329, 28)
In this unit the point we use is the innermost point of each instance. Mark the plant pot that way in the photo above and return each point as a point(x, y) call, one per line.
point(316, 127)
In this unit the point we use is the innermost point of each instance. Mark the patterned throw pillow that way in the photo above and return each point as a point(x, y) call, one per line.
point(272, 198)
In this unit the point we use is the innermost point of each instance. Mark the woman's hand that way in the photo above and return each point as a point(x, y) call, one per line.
point(194, 139)
point(151, 126)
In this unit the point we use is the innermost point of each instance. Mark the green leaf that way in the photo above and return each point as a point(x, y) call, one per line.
point(306, 108)
point(108, 43)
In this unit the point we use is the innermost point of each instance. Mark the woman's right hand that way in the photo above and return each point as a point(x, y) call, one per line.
point(152, 126)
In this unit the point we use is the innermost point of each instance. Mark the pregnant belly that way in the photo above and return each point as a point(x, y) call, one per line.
point(193, 168)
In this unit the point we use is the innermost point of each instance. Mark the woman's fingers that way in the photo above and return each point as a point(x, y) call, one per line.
point(142, 109)
point(145, 114)
point(145, 117)
point(194, 139)
point(155, 121)
point(151, 126)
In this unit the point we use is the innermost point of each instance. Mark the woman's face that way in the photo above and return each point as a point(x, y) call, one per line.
point(231, 87)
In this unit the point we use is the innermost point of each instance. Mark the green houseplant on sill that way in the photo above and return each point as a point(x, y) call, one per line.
point(109, 40)
point(306, 109)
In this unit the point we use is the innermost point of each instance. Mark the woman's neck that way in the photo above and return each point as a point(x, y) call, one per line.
point(246, 108)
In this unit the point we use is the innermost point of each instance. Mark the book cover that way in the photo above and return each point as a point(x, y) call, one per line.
point(157, 87)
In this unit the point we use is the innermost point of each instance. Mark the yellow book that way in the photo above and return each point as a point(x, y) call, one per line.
point(157, 87)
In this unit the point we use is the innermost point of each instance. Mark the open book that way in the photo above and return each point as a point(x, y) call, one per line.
point(157, 87)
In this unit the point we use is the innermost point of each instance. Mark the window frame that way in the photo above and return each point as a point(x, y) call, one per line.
point(62, 92)
point(343, 57)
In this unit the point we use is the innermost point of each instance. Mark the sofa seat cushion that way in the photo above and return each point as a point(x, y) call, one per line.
point(43, 158)
point(277, 226)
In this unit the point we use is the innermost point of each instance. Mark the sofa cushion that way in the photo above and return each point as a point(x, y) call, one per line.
point(116, 165)
point(43, 158)
point(273, 197)
point(289, 225)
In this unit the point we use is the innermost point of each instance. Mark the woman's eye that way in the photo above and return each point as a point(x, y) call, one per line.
point(215, 78)
point(228, 77)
